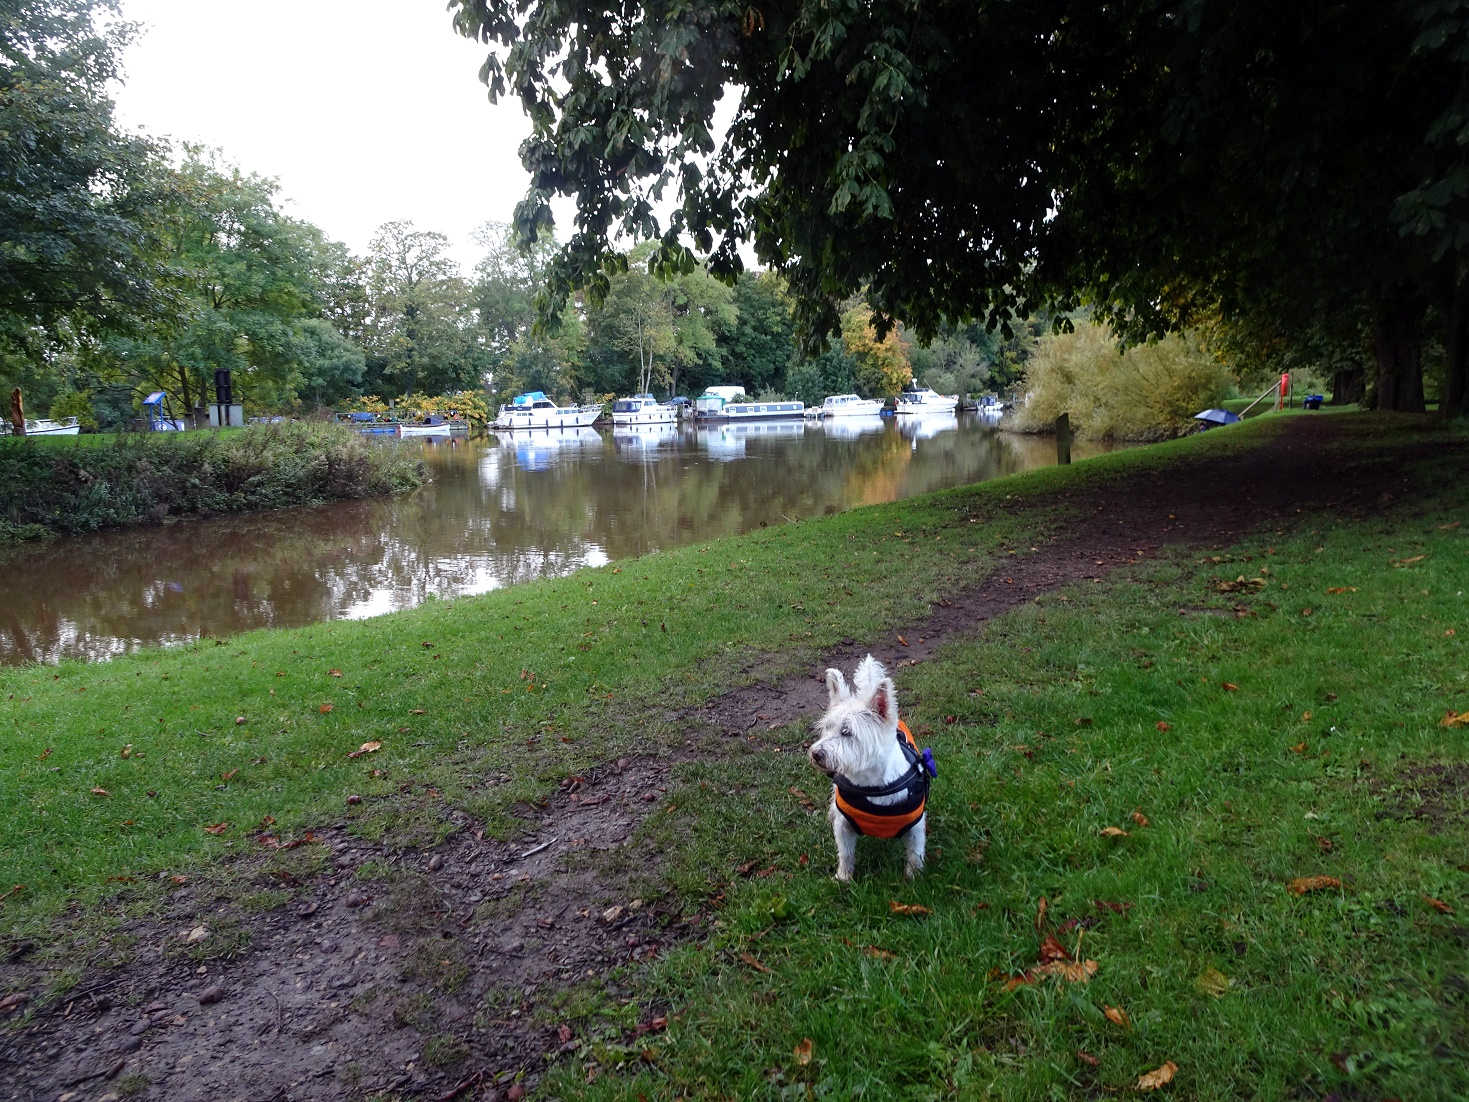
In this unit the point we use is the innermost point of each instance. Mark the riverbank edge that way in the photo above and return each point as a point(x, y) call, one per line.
point(54, 486)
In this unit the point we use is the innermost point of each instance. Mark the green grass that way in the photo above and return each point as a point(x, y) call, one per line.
point(1066, 717)
point(1259, 747)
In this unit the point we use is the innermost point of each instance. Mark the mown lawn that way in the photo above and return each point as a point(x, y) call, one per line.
point(1134, 773)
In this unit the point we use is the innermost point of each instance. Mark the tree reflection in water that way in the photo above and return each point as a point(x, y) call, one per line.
point(509, 509)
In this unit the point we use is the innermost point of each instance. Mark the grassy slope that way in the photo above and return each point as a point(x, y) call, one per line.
point(1357, 989)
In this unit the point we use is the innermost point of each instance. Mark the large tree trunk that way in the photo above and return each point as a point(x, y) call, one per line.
point(1397, 339)
point(1348, 385)
point(1455, 402)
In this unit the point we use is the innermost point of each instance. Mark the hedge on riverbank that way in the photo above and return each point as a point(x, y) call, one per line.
point(54, 486)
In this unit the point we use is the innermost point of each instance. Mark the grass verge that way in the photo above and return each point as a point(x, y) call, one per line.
point(1228, 700)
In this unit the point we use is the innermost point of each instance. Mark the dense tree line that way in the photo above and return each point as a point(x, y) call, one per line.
point(130, 266)
point(1295, 172)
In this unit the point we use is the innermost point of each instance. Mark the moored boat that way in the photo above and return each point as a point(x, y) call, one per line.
point(714, 406)
point(920, 399)
point(642, 409)
point(849, 405)
point(533, 410)
point(430, 428)
point(368, 424)
point(44, 426)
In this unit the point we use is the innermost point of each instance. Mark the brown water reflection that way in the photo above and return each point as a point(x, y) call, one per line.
point(501, 511)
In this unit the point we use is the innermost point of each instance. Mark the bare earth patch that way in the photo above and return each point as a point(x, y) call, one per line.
point(436, 973)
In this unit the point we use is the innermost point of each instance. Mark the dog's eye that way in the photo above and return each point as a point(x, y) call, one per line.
point(846, 730)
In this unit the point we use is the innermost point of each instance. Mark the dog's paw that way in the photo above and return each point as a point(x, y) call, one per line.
point(912, 868)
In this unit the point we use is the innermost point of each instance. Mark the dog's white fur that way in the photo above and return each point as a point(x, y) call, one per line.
point(858, 738)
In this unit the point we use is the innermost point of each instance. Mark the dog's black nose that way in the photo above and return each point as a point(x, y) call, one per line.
point(818, 757)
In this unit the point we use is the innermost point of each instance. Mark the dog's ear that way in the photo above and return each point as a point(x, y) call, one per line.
point(884, 701)
point(836, 686)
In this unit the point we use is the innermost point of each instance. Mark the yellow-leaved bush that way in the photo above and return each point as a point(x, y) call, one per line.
point(1149, 392)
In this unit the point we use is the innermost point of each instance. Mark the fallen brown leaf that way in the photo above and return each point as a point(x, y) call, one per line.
point(1409, 561)
point(879, 954)
point(1455, 719)
point(1342, 589)
point(1051, 949)
point(902, 641)
point(803, 1052)
point(1108, 905)
point(1303, 884)
point(1438, 905)
point(1088, 1059)
point(1072, 971)
point(749, 959)
point(366, 748)
point(228, 776)
point(324, 709)
point(101, 792)
point(1040, 914)
point(1112, 832)
point(334, 673)
point(1117, 1016)
point(1163, 726)
point(1230, 687)
point(1139, 818)
point(914, 909)
point(1159, 1077)
point(216, 828)
point(12, 1001)
point(1020, 979)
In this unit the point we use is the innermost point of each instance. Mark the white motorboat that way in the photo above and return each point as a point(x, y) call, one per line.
point(642, 409)
point(43, 426)
point(849, 405)
point(533, 410)
point(920, 399)
point(430, 429)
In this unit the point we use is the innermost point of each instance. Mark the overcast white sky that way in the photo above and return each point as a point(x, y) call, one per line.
point(365, 111)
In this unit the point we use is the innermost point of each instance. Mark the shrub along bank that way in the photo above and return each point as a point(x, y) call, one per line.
point(60, 486)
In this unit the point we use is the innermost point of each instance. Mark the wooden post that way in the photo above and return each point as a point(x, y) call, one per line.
point(17, 413)
point(1063, 438)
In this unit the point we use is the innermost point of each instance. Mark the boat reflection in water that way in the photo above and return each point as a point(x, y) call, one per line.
point(542, 449)
point(927, 425)
point(520, 505)
point(725, 441)
point(642, 443)
point(851, 426)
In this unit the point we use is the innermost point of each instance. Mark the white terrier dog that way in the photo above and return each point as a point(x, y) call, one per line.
point(880, 779)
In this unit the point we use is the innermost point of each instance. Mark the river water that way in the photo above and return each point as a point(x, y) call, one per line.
point(507, 509)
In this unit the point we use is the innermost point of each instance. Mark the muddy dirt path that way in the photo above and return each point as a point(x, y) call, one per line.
point(437, 977)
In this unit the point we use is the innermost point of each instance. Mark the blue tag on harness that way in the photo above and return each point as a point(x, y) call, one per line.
point(928, 763)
